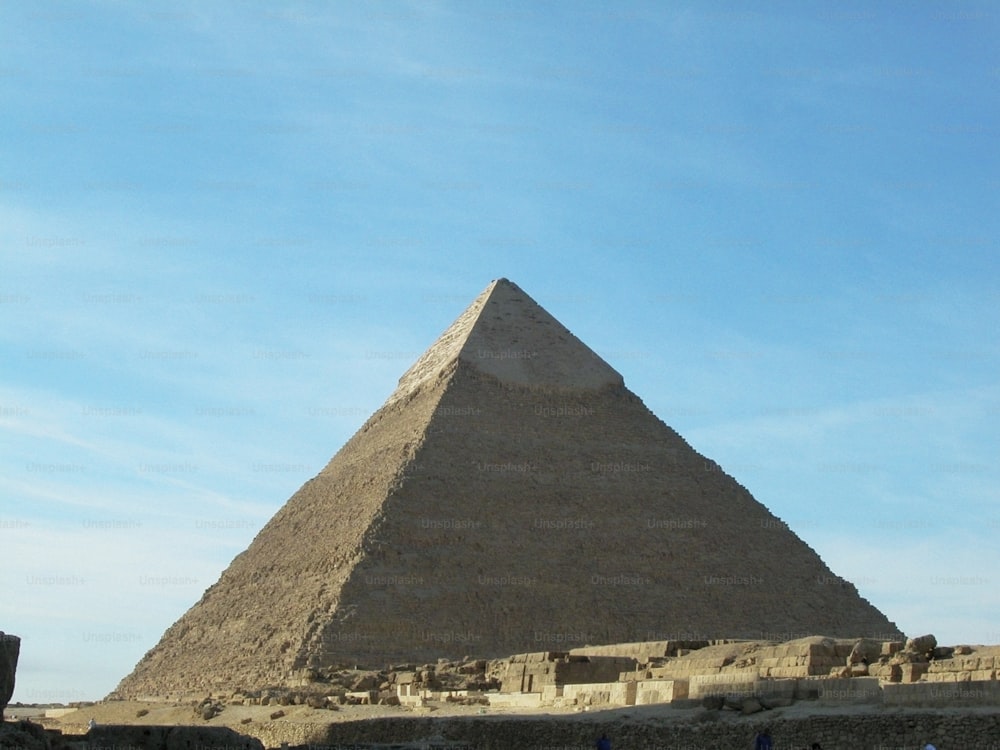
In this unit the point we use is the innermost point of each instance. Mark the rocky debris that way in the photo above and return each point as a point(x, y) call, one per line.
point(744, 705)
point(330, 688)
point(732, 703)
point(10, 648)
point(208, 709)
point(365, 682)
point(473, 667)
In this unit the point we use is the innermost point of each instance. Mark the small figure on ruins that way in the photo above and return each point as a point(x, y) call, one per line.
point(763, 740)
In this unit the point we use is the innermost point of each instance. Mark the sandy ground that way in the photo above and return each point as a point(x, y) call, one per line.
point(125, 712)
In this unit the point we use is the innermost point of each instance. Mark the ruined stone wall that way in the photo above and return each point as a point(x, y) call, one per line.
point(530, 673)
point(644, 651)
point(905, 730)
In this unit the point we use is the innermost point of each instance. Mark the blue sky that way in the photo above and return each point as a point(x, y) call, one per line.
point(226, 229)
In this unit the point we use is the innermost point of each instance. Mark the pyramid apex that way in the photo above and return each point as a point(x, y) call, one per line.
point(506, 334)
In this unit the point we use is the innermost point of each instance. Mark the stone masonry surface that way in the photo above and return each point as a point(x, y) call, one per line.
point(511, 495)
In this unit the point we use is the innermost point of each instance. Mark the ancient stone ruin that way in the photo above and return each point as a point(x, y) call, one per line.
point(746, 676)
point(511, 495)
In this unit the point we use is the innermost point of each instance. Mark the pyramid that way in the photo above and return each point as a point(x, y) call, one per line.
point(511, 495)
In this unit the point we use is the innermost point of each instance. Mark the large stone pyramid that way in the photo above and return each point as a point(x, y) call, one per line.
point(511, 495)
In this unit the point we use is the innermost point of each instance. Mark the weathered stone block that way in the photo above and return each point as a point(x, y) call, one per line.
point(892, 647)
point(515, 700)
point(820, 649)
point(729, 684)
point(941, 677)
point(788, 672)
point(913, 671)
point(660, 691)
point(891, 673)
point(842, 650)
point(595, 694)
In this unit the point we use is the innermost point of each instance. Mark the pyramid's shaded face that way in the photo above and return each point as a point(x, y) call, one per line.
point(512, 495)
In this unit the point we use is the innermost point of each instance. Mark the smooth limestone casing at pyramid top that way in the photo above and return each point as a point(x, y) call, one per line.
point(511, 495)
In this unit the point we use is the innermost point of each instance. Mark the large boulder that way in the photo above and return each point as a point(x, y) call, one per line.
point(865, 650)
point(922, 644)
point(10, 648)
